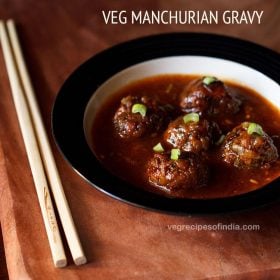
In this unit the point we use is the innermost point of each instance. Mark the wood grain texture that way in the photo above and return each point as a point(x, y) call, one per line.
point(120, 241)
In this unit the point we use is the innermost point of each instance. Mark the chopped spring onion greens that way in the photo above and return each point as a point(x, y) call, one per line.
point(191, 117)
point(209, 80)
point(139, 108)
point(175, 153)
point(255, 128)
point(158, 148)
point(220, 141)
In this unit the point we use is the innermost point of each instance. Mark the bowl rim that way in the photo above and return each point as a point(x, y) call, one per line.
point(72, 99)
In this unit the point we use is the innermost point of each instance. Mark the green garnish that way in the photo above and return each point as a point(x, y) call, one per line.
point(209, 80)
point(191, 117)
point(255, 128)
point(139, 108)
point(175, 153)
point(158, 148)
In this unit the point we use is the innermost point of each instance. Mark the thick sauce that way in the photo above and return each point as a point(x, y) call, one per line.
point(127, 158)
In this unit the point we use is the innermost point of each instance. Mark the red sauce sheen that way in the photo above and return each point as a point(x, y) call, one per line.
point(127, 158)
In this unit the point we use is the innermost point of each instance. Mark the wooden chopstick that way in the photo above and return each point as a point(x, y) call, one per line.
point(46, 153)
point(33, 154)
point(44, 146)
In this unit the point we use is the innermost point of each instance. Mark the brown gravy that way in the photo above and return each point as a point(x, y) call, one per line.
point(127, 158)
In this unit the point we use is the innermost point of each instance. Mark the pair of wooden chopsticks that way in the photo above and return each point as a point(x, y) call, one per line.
point(39, 153)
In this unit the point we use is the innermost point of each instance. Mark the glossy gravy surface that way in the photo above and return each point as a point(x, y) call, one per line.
point(127, 158)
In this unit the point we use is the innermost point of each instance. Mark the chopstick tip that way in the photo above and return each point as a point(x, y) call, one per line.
point(80, 260)
point(2, 24)
point(2, 31)
point(60, 263)
point(10, 21)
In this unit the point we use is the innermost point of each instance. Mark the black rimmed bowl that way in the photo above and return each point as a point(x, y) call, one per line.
point(179, 53)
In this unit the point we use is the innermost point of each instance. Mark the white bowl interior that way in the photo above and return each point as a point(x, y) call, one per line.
point(194, 65)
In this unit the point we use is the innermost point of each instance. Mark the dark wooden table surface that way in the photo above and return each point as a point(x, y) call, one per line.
point(56, 37)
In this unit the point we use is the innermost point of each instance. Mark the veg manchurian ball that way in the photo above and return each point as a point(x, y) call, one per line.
point(248, 146)
point(208, 96)
point(177, 175)
point(151, 116)
point(191, 136)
